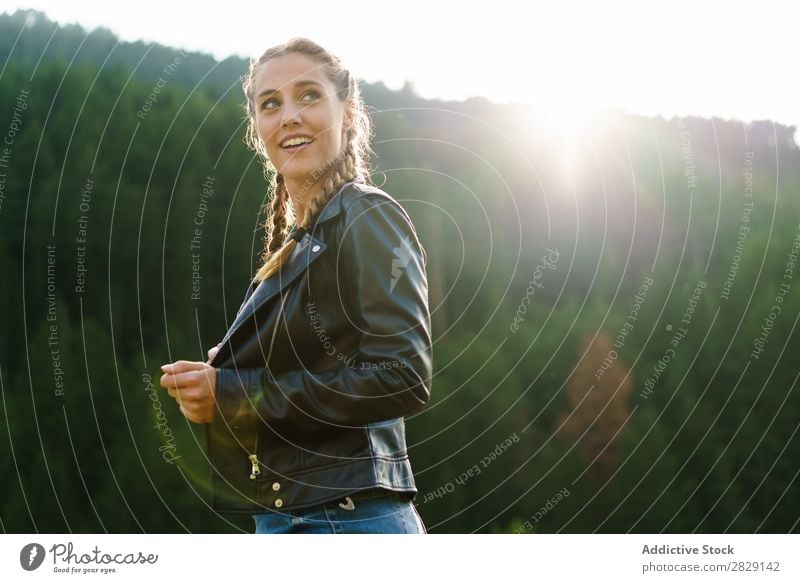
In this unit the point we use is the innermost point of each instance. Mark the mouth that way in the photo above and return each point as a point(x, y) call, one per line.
point(295, 145)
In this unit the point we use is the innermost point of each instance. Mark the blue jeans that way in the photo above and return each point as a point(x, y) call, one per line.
point(385, 514)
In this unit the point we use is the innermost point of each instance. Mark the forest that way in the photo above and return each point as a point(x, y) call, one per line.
point(614, 307)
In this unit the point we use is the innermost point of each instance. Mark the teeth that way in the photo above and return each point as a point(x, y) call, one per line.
point(295, 142)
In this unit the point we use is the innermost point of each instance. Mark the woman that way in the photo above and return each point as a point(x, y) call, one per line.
point(305, 397)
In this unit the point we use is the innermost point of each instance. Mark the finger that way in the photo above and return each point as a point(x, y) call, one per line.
point(168, 381)
point(212, 354)
point(188, 394)
point(183, 380)
point(182, 366)
point(184, 396)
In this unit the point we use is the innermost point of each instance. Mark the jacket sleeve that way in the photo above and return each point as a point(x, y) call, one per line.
point(385, 296)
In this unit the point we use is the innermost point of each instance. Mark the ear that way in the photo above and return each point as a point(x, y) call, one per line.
point(349, 115)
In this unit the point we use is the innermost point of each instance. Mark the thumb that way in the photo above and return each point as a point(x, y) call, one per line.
point(182, 366)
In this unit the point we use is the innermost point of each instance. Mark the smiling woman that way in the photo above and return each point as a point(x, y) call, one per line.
point(305, 430)
point(297, 153)
point(307, 122)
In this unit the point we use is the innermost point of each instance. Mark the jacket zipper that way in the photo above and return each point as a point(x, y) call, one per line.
point(254, 469)
point(253, 457)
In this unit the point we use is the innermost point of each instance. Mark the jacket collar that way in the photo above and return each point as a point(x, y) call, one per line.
point(332, 208)
point(334, 205)
point(308, 249)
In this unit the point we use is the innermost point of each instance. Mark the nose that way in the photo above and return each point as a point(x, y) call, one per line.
point(291, 114)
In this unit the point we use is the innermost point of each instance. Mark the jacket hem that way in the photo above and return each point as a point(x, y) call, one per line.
point(313, 489)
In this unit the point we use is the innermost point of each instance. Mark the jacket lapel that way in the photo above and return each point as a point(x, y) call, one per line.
point(303, 255)
point(307, 250)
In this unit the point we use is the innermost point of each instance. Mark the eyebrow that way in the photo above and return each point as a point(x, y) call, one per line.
point(298, 84)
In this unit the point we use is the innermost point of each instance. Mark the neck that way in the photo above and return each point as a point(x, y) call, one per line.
point(301, 193)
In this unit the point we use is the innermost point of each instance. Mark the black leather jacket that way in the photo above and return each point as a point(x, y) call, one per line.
point(322, 363)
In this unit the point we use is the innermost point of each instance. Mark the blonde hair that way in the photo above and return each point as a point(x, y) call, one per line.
point(344, 168)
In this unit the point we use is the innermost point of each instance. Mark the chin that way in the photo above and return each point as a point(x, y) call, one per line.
point(301, 170)
point(295, 171)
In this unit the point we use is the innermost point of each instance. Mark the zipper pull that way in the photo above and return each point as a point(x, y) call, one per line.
point(255, 470)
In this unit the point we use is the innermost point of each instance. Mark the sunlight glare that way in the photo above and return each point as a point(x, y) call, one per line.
point(567, 125)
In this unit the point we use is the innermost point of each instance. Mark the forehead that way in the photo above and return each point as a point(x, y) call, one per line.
point(281, 73)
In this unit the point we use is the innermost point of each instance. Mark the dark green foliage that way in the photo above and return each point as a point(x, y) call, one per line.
point(712, 447)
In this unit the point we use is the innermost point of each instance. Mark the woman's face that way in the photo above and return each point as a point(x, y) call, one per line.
point(294, 97)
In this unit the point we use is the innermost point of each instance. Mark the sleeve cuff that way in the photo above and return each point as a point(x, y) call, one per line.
point(231, 392)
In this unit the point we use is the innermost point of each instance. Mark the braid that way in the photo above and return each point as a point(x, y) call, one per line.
point(276, 223)
point(337, 176)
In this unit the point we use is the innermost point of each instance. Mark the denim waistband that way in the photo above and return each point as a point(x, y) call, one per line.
point(373, 493)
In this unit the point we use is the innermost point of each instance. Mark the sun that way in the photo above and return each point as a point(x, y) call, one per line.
point(568, 125)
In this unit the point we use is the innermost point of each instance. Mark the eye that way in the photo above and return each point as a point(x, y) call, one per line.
point(265, 103)
point(312, 93)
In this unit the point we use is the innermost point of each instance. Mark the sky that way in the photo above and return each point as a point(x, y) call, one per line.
point(726, 59)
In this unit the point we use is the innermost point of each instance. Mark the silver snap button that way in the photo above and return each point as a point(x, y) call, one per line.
point(276, 486)
point(278, 503)
point(315, 248)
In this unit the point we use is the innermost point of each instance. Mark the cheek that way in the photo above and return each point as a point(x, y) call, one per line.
point(326, 122)
point(333, 136)
point(266, 129)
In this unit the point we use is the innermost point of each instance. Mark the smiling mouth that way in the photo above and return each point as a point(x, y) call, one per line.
point(297, 146)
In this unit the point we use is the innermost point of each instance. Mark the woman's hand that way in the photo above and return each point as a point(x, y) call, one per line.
point(193, 385)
